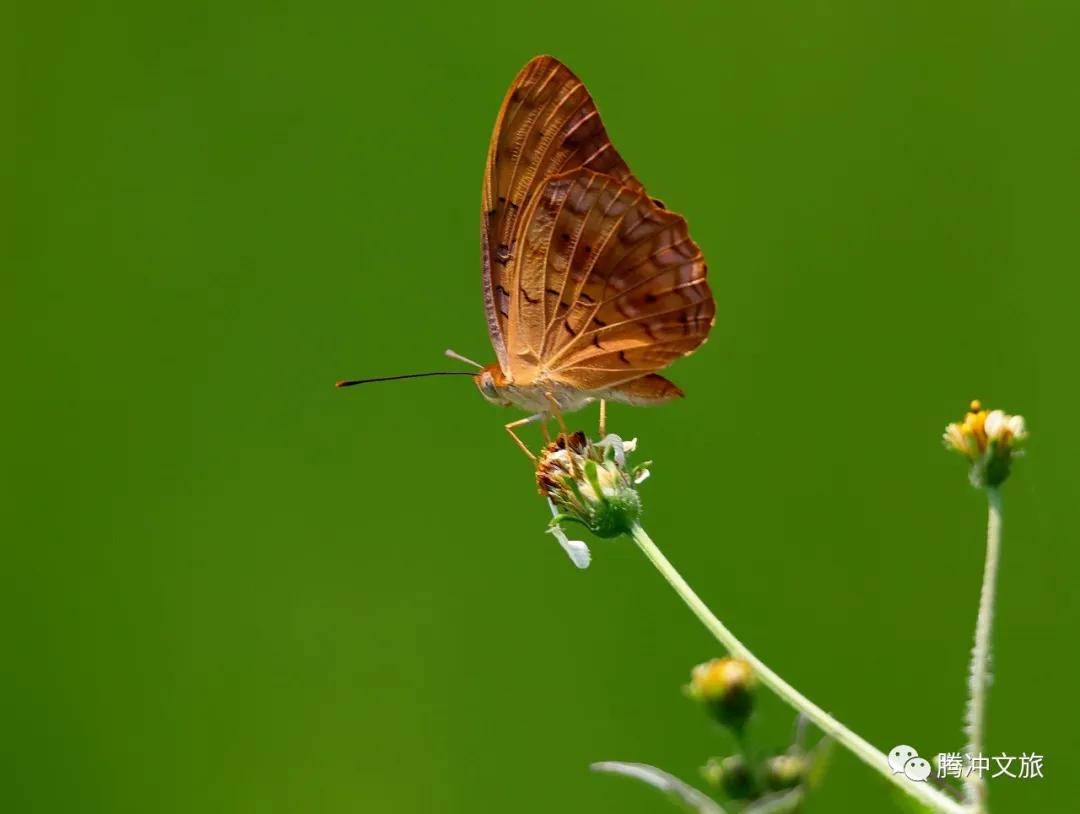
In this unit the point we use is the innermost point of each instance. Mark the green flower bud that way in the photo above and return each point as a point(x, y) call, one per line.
point(732, 775)
point(590, 483)
point(725, 686)
point(783, 772)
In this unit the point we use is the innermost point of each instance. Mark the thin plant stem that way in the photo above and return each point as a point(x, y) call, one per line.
point(975, 785)
point(860, 747)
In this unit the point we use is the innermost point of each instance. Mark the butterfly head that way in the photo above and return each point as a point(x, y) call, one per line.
point(491, 383)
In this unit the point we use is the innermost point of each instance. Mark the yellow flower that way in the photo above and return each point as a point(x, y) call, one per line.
point(988, 439)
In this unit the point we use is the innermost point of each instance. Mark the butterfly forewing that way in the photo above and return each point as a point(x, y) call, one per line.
point(548, 124)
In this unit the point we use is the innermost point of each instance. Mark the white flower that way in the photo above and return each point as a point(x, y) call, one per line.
point(576, 550)
point(1002, 427)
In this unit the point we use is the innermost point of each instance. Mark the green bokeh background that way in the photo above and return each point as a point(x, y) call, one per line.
point(233, 588)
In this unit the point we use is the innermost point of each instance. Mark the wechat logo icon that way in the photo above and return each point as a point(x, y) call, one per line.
point(906, 761)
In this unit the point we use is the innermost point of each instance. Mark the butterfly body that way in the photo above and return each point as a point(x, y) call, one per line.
point(541, 395)
point(544, 395)
point(590, 285)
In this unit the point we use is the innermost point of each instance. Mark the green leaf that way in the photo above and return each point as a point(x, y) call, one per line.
point(685, 795)
point(819, 758)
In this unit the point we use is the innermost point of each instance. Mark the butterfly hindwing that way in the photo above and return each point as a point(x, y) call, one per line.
point(608, 286)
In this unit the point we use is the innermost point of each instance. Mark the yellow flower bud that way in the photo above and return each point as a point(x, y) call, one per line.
point(725, 686)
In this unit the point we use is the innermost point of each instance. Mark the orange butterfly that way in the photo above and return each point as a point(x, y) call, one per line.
point(590, 285)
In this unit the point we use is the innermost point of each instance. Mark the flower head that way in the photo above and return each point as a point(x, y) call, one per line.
point(989, 439)
point(590, 483)
point(725, 686)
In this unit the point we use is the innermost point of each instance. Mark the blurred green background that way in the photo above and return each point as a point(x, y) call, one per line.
point(233, 588)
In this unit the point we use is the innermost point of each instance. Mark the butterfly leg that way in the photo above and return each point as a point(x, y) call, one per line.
point(603, 418)
point(557, 412)
point(521, 422)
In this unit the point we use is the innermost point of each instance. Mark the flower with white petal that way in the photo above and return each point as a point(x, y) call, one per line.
point(590, 483)
point(989, 439)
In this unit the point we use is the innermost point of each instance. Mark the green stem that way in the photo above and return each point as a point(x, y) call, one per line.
point(975, 785)
point(861, 748)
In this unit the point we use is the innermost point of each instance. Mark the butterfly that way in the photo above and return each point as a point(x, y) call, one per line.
point(590, 285)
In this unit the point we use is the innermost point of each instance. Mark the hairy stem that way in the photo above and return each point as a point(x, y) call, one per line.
point(975, 785)
point(861, 748)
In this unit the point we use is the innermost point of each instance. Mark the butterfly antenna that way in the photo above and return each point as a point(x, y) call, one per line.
point(453, 354)
point(353, 382)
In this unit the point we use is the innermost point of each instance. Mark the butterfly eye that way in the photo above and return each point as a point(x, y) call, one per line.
point(486, 385)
